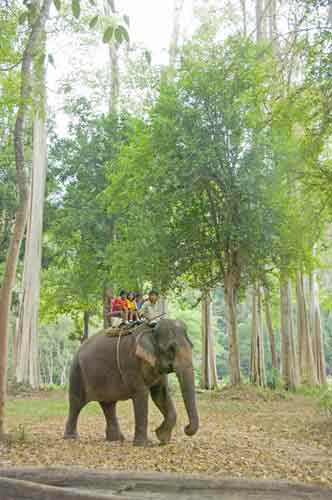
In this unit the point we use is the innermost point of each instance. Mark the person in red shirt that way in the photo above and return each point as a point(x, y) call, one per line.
point(120, 306)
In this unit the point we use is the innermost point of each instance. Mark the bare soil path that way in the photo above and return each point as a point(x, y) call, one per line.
point(243, 434)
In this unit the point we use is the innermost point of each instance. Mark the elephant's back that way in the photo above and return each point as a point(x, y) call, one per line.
point(100, 358)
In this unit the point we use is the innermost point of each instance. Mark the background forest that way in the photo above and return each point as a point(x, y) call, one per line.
point(203, 171)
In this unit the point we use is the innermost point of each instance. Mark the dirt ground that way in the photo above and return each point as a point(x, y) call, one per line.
point(243, 433)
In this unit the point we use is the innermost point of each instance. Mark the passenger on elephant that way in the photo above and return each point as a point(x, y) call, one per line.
point(150, 310)
point(120, 306)
point(139, 301)
point(132, 307)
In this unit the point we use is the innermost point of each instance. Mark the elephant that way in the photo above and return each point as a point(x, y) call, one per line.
point(109, 369)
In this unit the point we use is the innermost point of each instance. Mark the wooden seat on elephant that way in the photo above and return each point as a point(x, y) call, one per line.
point(120, 331)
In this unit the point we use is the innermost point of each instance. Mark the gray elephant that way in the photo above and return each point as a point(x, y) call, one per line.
point(108, 369)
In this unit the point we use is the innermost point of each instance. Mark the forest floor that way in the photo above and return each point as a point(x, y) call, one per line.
point(243, 433)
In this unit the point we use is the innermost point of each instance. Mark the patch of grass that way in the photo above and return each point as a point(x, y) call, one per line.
point(312, 392)
point(36, 409)
point(325, 400)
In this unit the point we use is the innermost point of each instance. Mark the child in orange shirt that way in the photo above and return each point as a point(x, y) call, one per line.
point(132, 307)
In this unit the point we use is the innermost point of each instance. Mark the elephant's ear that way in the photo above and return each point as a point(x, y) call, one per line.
point(145, 349)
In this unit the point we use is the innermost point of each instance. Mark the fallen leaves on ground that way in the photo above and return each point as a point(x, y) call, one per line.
point(283, 438)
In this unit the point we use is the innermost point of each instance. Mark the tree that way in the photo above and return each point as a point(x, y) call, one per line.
point(306, 355)
point(174, 43)
point(199, 166)
point(257, 359)
point(209, 367)
point(22, 178)
point(27, 363)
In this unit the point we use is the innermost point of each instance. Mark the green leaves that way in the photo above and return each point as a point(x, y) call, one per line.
point(119, 33)
point(23, 17)
point(108, 34)
point(93, 21)
point(57, 4)
point(76, 8)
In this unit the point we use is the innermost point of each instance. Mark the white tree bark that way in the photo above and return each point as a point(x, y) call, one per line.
point(109, 9)
point(244, 16)
point(175, 36)
point(27, 363)
point(209, 366)
point(257, 358)
point(23, 189)
point(232, 329)
point(163, 305)
point(316, 330)
point(289, 362)
point(306, 356)
point(259, 19)
point(269, 326)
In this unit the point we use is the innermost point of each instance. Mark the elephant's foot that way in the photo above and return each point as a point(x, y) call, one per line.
point(143, 442)
point(114, 436)
point(164, 434)
point(71, 435)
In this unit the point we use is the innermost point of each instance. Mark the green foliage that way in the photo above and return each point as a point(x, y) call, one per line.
point(325, 400)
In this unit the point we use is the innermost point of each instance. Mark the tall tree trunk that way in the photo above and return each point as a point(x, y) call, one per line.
point(174, 44)
point(107, 306)
point(163, 305)
point(272, 14)
point(289, 366)
point(316, 329)
point(244, 16)
point(257, 358)
point(27, 365)
point(109, 7)
point(269, 326)
point(209, 366)
point(259, 19)
point(232, 330)
point(86, 318)
point(305, 348)
point(23, 195)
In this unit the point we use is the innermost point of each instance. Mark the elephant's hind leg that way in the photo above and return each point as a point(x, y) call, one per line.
point(161, 397)
point(113, 432)
point(75, 407)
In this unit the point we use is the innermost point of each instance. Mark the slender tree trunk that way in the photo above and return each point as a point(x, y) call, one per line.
point(86, 318)
point(27, 366)
point(269, 326)
point(23, 195)
point(209, 366)
point(244, 16)
point(316, 329)
point(109, 7)
point(163, 305)
point(257, 361)
point(107, 307)
point(272, 19)
point(306, 356)
point(329, 15)
point(259, 19)
point(289, 368)
point(233, 348)
point(174, 44)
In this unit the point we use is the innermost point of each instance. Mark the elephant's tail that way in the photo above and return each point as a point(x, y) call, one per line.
point(76, 382)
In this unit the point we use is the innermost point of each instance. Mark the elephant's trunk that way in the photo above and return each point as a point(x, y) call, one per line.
point(187, 383)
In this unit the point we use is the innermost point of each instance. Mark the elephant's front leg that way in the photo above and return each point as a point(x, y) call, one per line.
point(162, 399)
point(113, 432)
point(140, 401)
